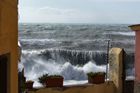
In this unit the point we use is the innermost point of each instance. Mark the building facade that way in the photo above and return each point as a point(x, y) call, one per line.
point(136, 28)
point(8, 46)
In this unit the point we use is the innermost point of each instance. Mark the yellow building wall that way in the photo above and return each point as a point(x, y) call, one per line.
point(116, 68)
point(9, 39)
point(107, 87)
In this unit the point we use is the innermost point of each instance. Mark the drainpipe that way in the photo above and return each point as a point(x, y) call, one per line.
point(136, 28)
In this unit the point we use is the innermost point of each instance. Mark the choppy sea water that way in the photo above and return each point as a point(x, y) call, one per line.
point(72, 50)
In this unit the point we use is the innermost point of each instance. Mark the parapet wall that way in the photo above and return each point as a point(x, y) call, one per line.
point(116, 68)
point(107, 87)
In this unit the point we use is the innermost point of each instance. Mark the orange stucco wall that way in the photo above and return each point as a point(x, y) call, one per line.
point(9, 39)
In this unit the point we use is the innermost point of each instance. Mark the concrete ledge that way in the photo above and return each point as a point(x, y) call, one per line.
point(107, 87)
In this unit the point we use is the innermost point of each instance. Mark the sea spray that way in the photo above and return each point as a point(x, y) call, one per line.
point(92, 67)
point(67, 70)
point(35, 66)
point(40, 62)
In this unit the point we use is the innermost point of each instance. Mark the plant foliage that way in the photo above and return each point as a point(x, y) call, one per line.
point(92, 74)
point(43, 78)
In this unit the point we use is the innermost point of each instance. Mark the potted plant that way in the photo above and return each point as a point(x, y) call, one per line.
point(54, 81)
point(96, 78)
point(51, 80)
point(29, 84)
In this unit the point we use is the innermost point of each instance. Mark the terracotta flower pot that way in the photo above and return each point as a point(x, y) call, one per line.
point(29, 84)
point(54, 82)
point(96, 78)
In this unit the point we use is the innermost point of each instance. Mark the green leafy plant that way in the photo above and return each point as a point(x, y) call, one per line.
point(43, 78)
point(92, 74)
point(55, 76)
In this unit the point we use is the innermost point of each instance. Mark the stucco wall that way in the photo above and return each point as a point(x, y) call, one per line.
point(116, 68)
point(9, 38)
point(107, 87)
point(136, 28)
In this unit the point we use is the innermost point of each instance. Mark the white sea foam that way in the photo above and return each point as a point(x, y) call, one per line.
point(20, 66)
point(92, 67)
point(68, 71)
point(125, 33)
point(32, 51)
point(38, 40)
point(72, 74)
point(39, 51)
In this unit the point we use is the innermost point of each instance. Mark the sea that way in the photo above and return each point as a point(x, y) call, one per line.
point(72, 50)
